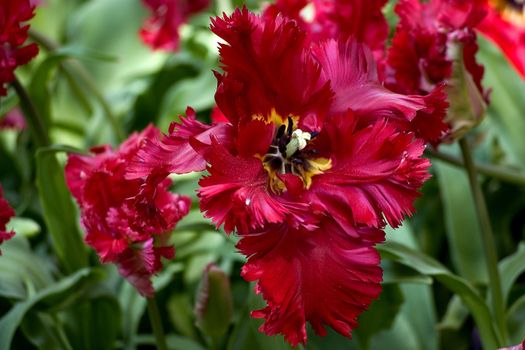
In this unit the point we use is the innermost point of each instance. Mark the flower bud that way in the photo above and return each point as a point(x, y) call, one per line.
point(467, 103)
point(213, 308)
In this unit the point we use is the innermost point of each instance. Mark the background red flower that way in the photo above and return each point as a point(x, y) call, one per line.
point(13, 34)
point(127, 222)
point(161, 31)
point(6, 213)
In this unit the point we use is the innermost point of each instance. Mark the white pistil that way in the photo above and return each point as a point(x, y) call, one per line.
point(298, 142)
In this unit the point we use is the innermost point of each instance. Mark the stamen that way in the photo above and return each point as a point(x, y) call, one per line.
point(288, 154)
point(290, 126)
point(280, 131)
point(298, 142)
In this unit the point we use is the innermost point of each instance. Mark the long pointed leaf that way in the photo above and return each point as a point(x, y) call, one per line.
point(59, 212)
point(465, 246)
point(46, 299)
point(428, 266)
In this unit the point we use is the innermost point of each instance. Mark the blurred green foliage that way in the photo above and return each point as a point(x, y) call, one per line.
point(96, 82)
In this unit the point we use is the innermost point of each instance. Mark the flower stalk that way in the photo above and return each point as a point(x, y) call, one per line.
point(34, 119)
point(156, 324)
point(74, 68)
point(501, 173)
point(487, 238)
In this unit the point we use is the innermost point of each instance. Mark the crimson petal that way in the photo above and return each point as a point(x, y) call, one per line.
point(325, 277)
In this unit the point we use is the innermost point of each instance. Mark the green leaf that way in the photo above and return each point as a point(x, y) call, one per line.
point(455, 316)
point(95, 323)
point(180, 313)
point(147, 105)
point(516, 321)
point(417, 318)
point(21, 271)
point(44, 331)
point(428, 266)
point(50, 299)
point(198, 93)
point(465, 246)
point(133, 304)
point(176, 342)
point(419, 312)
point(24, 226)
point(401, 336)
point(60, 213)
point(39, 87)
point(394, 273)
point(380, 315)
point(506, 101)
point(332, 340)
point(84, 53)
point(510, 269)
point(115, 33)
point(245, 334)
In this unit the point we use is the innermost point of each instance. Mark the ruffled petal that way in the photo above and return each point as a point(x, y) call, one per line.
point(235, 193)
point(267, 67)
point(352, 72)
point(325, 277)
point(376, 173)
point(136, 265)
point(173, 153)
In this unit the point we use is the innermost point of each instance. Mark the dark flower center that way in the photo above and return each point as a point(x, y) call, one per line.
point(511, 10)
point(289, 154)
point(516, 4)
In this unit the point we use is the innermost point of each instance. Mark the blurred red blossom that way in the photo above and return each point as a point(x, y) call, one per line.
point(430, 38)
point(327, 19)
point(505, 26)
point(330, 19)
point(128, 222)
point(316, 157)
point(6, 213)
point(13, 34)
point(161, 31)
point(515, 347)
point(13, 119)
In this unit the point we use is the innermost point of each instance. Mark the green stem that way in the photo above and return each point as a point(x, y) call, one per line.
point(34, 119)
point(74, 68)
point(215, 343)
point(487, 238)
point(61, 335)
point(494, 171)
point(156, 324)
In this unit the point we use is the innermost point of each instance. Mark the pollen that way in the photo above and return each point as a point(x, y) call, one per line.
point(511, 10)
point(298, 142)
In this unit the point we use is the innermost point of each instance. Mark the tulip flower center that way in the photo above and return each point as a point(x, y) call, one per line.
point(289, 154)
point(518, 4)
point(511, 10)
